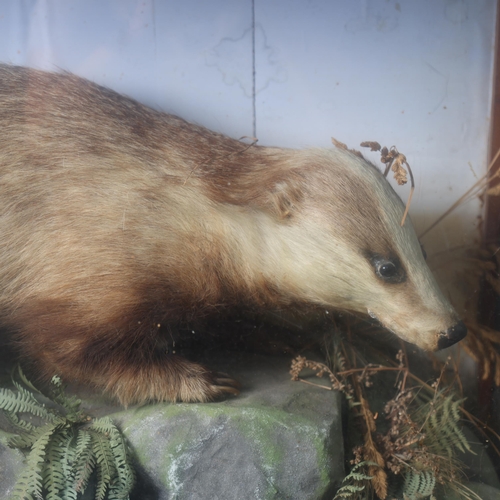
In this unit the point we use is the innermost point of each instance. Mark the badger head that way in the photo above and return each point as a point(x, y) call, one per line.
point(346, 249)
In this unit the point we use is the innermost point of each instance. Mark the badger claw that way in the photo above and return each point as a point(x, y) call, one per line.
point(226, 385)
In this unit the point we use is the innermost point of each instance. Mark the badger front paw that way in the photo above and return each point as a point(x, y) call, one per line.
point(174, 380)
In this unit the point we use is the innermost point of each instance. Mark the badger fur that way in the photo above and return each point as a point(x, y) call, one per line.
point(116, 218)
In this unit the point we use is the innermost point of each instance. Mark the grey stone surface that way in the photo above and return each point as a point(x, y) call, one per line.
point(278, 440)
point(11, 462)
point(483, 491)
point(479, 467)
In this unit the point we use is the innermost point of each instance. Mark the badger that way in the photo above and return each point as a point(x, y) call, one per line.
point(116, 218)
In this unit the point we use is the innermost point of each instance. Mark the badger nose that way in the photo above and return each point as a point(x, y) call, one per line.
point(452, 335)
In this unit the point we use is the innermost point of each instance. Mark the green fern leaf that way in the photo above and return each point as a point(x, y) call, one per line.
point(448, 433)
point(54, 478)
point(427, 483)
point(68, 459)
point(24, 390)
point(28, 440)
point(68, 465)
point(455, 410)
point(22, 441)
point(105, 463)
point(351, 490)
point(21, 424)
point(124, 477)
point(359, 477)
point(442, 431)
point(63, 453)
point(418, 484)
point(18, 402)
point(103, 425)
point(30, 482)
point(411, 484)
point(84, 461)
point(461, 441)
point(25, 381)
point(117, 494)
point(125, 473)
point(22, 490)
point(71, 404)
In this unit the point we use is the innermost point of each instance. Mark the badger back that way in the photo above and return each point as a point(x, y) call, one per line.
point(110, 206)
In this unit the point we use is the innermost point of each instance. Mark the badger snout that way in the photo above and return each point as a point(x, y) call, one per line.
point(452, 335)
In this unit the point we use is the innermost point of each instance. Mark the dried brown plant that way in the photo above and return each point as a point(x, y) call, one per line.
point(395, 161)
point(421, 428)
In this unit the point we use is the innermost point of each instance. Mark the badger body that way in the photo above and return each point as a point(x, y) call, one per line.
point(116, 218)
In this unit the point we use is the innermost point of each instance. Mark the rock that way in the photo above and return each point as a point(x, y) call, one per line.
point(11, 463)
point(278, 440)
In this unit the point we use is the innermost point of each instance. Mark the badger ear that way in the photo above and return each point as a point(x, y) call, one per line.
point(285, 197)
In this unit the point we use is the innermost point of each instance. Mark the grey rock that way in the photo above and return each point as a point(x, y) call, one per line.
point(11, 462)
point(278, 440)
point(484, 492)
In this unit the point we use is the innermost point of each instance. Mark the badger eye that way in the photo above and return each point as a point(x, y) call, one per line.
point(387, 270)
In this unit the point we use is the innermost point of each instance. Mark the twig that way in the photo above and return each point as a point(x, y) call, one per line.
point(481, 183)
point(316, 385)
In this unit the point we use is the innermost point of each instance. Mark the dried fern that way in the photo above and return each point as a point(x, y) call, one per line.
point(66, 447)
point(415, 447)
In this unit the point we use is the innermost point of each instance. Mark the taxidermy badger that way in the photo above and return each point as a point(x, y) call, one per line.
point(115, 218)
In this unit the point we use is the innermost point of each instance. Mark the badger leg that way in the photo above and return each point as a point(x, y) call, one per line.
point(173, 378)
point(129, 362)
point(157, 376)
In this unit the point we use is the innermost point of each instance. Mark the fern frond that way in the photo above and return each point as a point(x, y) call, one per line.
point(348, 491)
point(418, 484)
point(105, 463)
point(355, 476)
point(357, 480)
point(22, 425)
point(64, 450)
point(24, 390)
point(25, 380)
point(22, 441)
point(70, 404)
point(442, 429)
point(30, 482)
point(54, 477)
point(68, 459)
point(68, 465)
point(125, 473)
point(84, 461)
point(28, 439)
point(103, 425)
point(117, 494)
point(18, 402)
point(22, 489)
point(119, 453)
point(446, 426)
